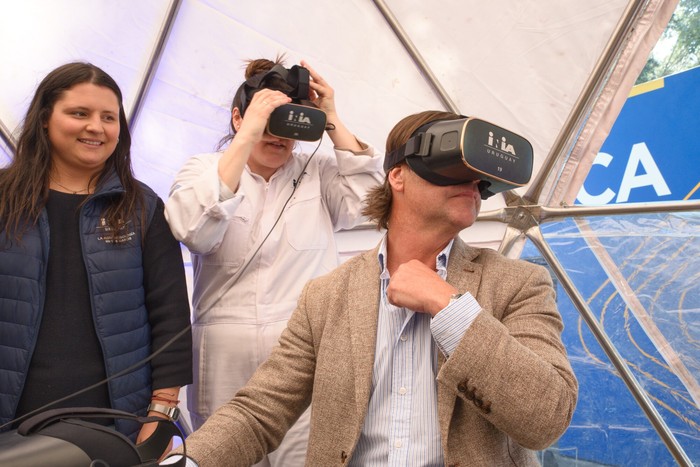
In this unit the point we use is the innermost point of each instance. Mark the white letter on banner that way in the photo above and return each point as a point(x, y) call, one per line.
point(585, 198)
point(652, 177)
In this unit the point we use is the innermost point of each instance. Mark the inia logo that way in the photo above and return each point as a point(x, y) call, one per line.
point(293, 117)
point(500, 144)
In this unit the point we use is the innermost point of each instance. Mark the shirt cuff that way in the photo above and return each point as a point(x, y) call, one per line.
point(450, 324)
point(225, 192)
point(173, 459)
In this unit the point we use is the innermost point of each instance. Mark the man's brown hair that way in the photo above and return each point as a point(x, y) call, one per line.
point(377, 204)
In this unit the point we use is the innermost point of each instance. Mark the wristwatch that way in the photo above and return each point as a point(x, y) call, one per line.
point(454, 297)
point(172, 413)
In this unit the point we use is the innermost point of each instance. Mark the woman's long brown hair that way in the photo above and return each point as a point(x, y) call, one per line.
point(24, 184)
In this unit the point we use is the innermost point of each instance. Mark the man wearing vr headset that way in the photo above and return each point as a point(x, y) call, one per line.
point(259, 219)
point(423, 351)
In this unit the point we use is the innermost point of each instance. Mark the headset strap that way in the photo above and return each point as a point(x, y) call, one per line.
point(41, 420)
point(298, 78)
point(415, 146)
point(152, 447)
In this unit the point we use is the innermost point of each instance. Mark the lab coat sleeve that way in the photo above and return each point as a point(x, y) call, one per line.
point(200, 206)
point(346, 180)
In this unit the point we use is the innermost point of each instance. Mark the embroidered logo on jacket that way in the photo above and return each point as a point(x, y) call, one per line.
point(124, 233)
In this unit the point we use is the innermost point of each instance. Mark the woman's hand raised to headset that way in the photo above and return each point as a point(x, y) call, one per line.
point(320, 93)
point(258, 113)
point(323, 95)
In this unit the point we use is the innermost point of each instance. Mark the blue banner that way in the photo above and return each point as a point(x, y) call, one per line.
point(653, 150)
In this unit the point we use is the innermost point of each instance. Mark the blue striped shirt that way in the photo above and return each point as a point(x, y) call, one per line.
point(402, 427)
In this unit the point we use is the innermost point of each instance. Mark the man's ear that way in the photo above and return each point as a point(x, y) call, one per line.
point(397, 176)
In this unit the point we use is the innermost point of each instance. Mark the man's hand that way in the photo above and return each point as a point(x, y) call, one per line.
point(415, 286)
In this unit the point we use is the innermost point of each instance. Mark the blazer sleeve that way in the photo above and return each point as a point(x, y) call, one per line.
point(254, 422)
point(511, 365)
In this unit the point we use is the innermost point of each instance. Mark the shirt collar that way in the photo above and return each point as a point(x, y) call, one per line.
point(440, 261)
point(285, 168)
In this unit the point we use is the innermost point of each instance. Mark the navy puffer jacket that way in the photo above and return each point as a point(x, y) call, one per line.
point(115, 276)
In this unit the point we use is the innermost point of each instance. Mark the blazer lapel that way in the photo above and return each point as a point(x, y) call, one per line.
point(363, 301)
point(462, 272)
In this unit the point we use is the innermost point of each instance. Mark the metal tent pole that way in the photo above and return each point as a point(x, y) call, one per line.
point(527, 220)
point(153, 61)
point(416, 56)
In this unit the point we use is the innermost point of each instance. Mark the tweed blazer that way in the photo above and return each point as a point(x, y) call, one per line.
point(507, 390)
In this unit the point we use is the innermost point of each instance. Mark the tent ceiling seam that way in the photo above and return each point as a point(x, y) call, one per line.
point(582, 108)
point(154, 61)
point(416, 56)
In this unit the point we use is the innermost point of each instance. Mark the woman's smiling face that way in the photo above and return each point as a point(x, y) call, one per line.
point(83, 128)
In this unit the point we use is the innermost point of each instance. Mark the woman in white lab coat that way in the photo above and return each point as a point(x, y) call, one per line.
point(259, 219)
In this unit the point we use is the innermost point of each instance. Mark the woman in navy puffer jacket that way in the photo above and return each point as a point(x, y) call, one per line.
point(91, 279)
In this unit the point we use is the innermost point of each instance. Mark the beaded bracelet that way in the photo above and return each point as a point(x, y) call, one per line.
point(163, 399)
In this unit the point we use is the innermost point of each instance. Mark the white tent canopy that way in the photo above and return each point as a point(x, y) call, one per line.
point(526, 66)
point(554, 71)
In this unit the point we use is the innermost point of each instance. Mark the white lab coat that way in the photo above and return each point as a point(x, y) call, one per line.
point(235, 327)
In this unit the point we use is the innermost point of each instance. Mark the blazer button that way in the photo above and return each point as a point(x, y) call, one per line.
point(461, 387)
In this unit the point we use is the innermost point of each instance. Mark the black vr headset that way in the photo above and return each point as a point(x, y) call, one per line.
point(66, 437)
point(452, 152)
point(299, 120)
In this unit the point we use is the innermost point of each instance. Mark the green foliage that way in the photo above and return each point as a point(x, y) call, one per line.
point(679, 47)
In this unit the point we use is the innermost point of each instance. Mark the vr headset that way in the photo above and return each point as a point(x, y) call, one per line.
point(66, 437)
point(452, 152)
point(299, 120)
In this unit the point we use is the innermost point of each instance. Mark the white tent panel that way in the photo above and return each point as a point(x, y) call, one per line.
point(37, 36)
